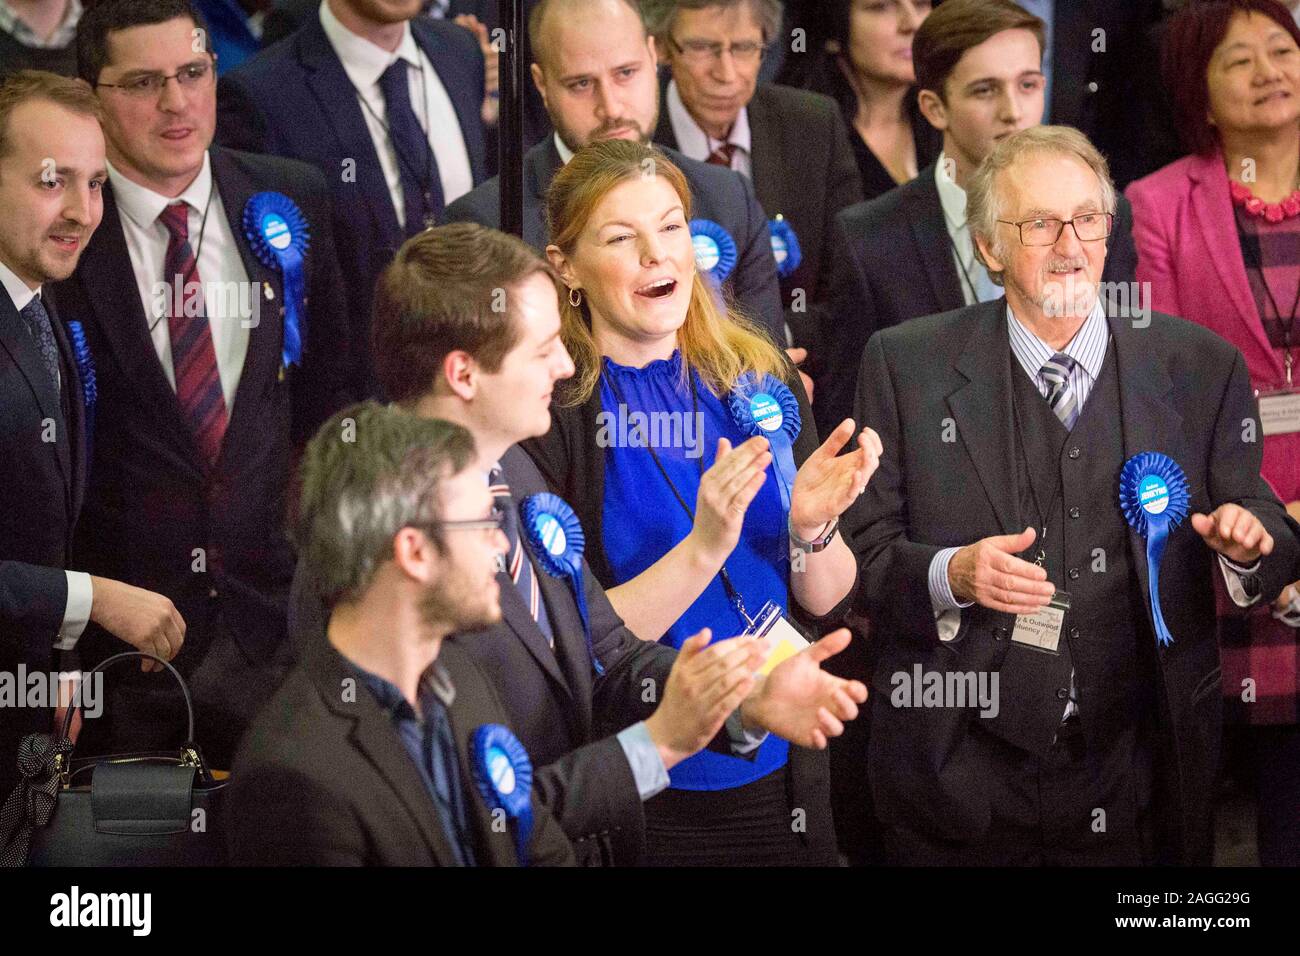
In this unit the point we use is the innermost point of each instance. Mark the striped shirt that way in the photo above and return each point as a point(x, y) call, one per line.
point(62, 36)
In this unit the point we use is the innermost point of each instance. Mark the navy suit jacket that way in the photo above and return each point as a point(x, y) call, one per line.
point(719, 194)
point(294, 99)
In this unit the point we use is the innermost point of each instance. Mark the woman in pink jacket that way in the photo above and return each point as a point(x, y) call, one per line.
point(1218, 239)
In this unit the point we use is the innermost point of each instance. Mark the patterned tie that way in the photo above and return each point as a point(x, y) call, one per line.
point(38, 324)
point(721, 155)
point(194, 359)
point(518, 564)
point(416, 164)
point(1056, 370)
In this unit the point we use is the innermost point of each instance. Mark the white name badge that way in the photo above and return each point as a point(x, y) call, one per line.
point(1279, 412)
point(1042, 629)
point(785, 640)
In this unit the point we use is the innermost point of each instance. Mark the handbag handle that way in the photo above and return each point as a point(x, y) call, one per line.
point(107, 662)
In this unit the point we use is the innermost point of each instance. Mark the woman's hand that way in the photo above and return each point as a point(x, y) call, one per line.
point(726, 490)
point(828, 482)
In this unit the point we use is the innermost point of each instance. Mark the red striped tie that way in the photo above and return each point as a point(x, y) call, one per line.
point(198, 384)
point(721, 156)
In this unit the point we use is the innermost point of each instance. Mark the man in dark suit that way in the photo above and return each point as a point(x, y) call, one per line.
point(791, 143)
point(388, 106)
point(373, 752)
point(909, 253)
point(1006, 428)
point(202, 393)
point(595, 69)
point(604, 722)
point(51, 173)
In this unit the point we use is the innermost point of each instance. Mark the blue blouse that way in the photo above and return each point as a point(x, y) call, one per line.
point(644, 521)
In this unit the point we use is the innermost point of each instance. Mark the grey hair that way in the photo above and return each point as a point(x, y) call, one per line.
point(660, 14)
point(370, 471)
point(984, 198)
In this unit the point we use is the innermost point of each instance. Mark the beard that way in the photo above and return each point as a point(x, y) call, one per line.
point(1066, 295)
point(571, 139)
point(460, 605)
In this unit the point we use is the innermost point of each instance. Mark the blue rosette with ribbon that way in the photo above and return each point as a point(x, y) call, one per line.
point(1153, 496)
point(504, 777)
point(277, 231)
point(555, 540)
point(715, 250)
point(769, 408)
point(86, 371)
point(785, 247)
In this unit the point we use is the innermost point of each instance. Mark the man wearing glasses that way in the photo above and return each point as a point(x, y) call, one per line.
point(993, 543)
point(201, 397)
point(791, 143)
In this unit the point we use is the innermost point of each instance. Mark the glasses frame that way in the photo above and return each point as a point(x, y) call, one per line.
point(716, 50)
point(1020, 228)
point(494, 523)
point(130, 89)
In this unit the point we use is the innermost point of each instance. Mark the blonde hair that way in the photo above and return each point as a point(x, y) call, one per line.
point(984, 199)
point(719, 345)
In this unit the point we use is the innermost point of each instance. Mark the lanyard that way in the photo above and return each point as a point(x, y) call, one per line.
point(1288, 328)
point(198, 251)
point(1059, 493)
point(425, 179)
point(733, 594)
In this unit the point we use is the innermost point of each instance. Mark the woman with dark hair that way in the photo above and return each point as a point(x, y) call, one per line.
point(1218, 240)
point(662, 443)
point(860, 54)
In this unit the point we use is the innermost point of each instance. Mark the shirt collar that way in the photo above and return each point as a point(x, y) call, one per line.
point(62, 36)
point(692, 140)
point(951, 197)
point(19, 292)
point(1088, 347)
point(363, 61)
point(143, 206)
point(566, 154)
point(435, 681)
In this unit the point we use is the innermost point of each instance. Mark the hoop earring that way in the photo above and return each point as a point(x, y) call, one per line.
point(575, 298)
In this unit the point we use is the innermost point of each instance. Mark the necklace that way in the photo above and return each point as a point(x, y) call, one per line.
point(1274, 212)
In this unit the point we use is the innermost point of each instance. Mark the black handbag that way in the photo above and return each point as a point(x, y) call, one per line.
point(132, 809)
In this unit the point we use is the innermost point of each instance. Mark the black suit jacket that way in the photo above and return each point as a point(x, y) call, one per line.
point(322, 778)
point(803, 169)
point(719, 194)
point(151, 499)
point(893, 261)
point(294, 99)
point(1183, 392)
point(45, 481)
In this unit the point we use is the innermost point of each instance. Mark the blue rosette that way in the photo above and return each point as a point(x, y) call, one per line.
point(86, 371)
point(785, 247)
point(277, 231)
point(715, 250)
point(504, 777)
point(1153, 497)
point(555, 540)
point(769, 408)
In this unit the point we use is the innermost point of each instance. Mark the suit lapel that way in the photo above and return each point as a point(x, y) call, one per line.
point(18, 342)
point(924, 211)
point(765, 156)
point(541, 163)
point(570, 641)
point(75, 425)
point(456, 85)
point(520, 620)
point(982, 411)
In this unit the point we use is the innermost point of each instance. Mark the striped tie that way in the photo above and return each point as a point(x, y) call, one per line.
point(518, 564)
point(1056, 371)
point(721, 156)
point(194, 359)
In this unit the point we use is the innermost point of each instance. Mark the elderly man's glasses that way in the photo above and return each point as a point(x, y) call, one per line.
point(706, 51)
point(147, 85)
point(1046, 232)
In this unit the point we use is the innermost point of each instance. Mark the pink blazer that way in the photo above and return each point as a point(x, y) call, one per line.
point(1186, 238)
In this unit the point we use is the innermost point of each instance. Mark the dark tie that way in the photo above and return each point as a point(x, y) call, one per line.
point(38, 324)
point(449, 795)
point(1060, 394)
point(416, 164)
point(194, 359)
point(721, 156)
point(518, 564)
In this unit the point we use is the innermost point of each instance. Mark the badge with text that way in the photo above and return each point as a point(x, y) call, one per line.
point(715, 250)
point(771, 624)
point(504, 776)
point(555, 540)
point(1153, 496)
point(1042, 629)
point(769, 408)
point(1279, 411)
point(277, 231)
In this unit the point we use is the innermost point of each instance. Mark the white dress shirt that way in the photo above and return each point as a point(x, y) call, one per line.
point(976, 286)
point(697, 144)
point(365, 63)
point(219, 264)
point(76, 609)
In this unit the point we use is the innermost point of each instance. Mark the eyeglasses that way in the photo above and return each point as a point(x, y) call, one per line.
point(494, 522)
point(146, 85)
point(700, 52)
point(1046, 232)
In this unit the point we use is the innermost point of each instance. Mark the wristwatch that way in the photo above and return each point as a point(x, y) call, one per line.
point(817, 544)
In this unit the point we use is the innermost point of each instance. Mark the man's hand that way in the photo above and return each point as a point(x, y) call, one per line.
point(147, 621)
point(803, 703)
point(989, 573)
point(705, 685)
point(1235, 533)
point(491, 109)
